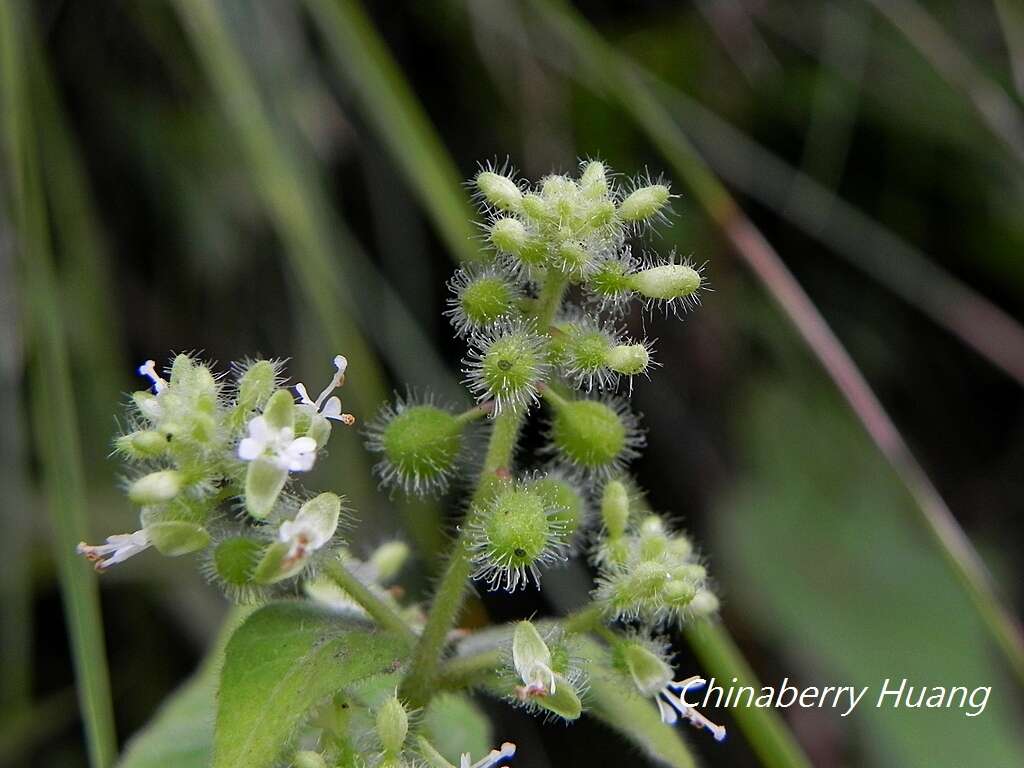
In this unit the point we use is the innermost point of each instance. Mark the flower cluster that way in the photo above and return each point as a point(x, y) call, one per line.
point(214, 464)
point(199, 445)
point(543, 316)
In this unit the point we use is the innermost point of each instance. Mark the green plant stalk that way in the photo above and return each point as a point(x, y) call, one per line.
point(387, 102)
point(628, 87)
point(770, 738)
point(52, 405)
point(469, 671)
point(386, 616)
point(418, 685)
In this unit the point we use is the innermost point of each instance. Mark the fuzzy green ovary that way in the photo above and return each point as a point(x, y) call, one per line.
point(518, 528)
point(486, 299)
point(510, 365)
point(235, 560)
point(589, 433)
point(423, 440)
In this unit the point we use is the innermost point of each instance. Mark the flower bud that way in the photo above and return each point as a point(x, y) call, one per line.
point(256, 385)
point(156, 487)
point(572, 258)
point(181, 369)
point(649, 671)
point(643, 203)
point(499, 190)
point(593, 437)
point(536, 208)
point(594, 180)
point(508, 235)
point(177, 537)
point(667, 282)
point(532, 660)
point(704, 603)
point(506, 364)
point(615, 508)
point(628, 359)
point(419, 446)
point(556, 186)
point(389, 559)
point(392, 726)
point(143, 444)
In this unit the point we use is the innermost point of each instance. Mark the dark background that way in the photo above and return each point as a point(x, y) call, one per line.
point(825, 572)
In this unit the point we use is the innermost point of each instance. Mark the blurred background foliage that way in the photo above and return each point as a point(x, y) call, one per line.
point(281, 178)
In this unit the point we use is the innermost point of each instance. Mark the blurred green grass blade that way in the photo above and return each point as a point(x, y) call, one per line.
point(1001, 114)
point(390, 105)
point(627, 85)
point(52, 406)
point(853, 235)
point(1011, 21)
point(768, 734)
point(94, 341)
point(278, 180)
point(15, 514)
point(815, 553)
point(23, 731)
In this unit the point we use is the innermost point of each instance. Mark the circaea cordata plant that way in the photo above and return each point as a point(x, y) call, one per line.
point(215, 464)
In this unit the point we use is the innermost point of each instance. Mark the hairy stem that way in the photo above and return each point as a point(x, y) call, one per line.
point(419, 683)
point(386, 616)
point(469, 671)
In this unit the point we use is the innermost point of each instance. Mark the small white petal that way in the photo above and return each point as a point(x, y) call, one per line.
point(332, 409)
point(303, 395)
point(250, 449)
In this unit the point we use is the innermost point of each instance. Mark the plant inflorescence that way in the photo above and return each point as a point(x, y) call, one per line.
point(215, 461)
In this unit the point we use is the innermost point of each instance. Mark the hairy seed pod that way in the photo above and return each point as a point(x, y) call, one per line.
point(593, 438)
point(419, 445)
point(513, 535)
point(506, 364)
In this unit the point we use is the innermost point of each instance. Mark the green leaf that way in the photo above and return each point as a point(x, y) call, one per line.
point(287, 658)
point(634, 717)
point(455, 724)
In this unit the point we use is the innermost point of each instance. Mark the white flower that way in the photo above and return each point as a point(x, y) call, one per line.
point(304, 535)
point(532, 660)
point(495, 758)
point(279, 446)
point(117, 549)
point(672, 705)
point(328, 407)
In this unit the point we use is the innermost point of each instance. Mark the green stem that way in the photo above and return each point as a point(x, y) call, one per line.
point(55, 422)
point(584, 620)
point(418, 685)
point(469, 671)
point(770, 738)
point(386, 616)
